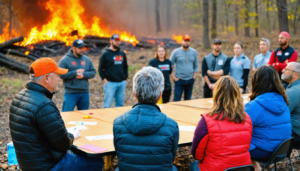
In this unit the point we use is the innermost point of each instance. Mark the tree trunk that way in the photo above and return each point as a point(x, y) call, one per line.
point(268, 15)
point(10, 19)
point(13, 64)
point(246, 24)
point(227, 6)
point(295, 18)
point(282, 15)
point(9, 43)
point(168, 16)
point(158, 27)
point(256, 19)
point(214, 20)
point(205, 24)
point(236, 19)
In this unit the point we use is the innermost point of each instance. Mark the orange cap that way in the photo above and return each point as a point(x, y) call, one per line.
point(45, 66)
point(186, 37)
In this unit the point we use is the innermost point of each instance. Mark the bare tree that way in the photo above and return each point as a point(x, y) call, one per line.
point(282, 15)
point(268, 15)
point(296, 17)
point(236, 19)
point(246, 24)
point(168, 16)
point(205, 24)
point(158, 27)
point(10, 18)
point(256, 19)
point(214, 20)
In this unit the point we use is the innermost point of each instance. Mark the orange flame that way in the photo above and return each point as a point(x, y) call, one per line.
point(5, 33)
point(27, 52)
point(65, 18)
point(177, 38)
point(151, 41)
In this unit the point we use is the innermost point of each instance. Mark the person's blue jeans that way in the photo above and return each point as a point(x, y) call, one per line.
point(76, 162)
point(81, 100)
point(114, 90)
point(195, 166)
point(173, 169)
point(183, 85)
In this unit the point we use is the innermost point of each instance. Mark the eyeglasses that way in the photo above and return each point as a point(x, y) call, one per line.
point(290, 70)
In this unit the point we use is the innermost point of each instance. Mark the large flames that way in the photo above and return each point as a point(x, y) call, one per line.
point(66, 18)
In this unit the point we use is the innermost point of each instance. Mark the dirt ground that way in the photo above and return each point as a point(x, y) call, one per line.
point(12, 82)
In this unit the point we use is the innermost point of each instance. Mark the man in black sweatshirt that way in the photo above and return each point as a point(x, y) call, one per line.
point(113, 70)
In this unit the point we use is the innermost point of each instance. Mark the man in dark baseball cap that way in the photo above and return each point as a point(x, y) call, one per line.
point(76, 83)
point(214, 65)
point(113, 70)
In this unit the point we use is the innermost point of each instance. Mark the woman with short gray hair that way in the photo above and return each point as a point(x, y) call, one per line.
point(144, 137)
point(148, 85)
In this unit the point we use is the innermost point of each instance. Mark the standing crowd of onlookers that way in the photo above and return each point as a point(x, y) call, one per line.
point(231, 134)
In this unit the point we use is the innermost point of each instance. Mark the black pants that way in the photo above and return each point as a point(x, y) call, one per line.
point(166, 96)
point(296, 141)
point(207, 92)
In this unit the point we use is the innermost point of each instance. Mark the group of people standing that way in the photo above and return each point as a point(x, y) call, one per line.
point(228, 135)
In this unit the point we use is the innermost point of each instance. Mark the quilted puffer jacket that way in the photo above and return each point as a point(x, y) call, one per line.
point(38, 132)
point(145, 139)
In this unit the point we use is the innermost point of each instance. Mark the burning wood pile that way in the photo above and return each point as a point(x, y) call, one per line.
point(50, 48)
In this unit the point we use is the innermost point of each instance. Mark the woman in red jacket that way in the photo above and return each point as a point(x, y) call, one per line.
point(222, 137)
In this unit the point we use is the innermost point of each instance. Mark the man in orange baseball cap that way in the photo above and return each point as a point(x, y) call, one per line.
point(186, 66)
point(38, 132)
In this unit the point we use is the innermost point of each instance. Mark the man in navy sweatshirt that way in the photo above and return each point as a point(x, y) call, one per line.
point(76, 81)
point(113, 70)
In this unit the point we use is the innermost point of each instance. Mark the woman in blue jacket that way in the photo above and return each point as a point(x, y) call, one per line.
point(269, 113)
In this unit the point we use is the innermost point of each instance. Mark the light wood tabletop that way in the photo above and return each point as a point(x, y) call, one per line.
point(184, 116)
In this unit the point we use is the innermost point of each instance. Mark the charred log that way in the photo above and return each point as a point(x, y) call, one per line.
point(13, 64)
point(10, 42)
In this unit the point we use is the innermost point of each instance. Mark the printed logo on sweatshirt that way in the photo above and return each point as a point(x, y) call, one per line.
point(82, 63)
point(279, 53)
point(73, 62)
point(240, 63)
point(165, 67)
point(118, 59)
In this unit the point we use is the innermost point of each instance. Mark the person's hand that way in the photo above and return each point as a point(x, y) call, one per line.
point(75, 133)
point(79, 76)
point(80, 71)
point(175, 78)
point(209, 72)
point(194, 77)
point(211, 86)
point(105, 81)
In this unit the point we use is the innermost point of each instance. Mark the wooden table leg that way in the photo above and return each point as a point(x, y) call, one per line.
point(107, 162)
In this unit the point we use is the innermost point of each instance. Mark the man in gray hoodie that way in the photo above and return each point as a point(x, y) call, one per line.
point(291, 74)
point(76, 81)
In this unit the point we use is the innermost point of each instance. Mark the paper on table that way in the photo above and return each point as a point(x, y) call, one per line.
point(78, 127)
point(100, 137)
point(160, 106)
point(93, 148)
point(82, 123)
point(187, 128)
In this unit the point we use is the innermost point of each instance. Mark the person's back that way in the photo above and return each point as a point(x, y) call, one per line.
point(271, 121)
point(222, 137)
point(144, 138)
point(269, 113)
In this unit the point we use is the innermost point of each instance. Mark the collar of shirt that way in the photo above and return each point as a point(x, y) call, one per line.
point(239, 57)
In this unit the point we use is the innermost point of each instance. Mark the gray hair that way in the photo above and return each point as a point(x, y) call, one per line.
point(296, 67)
point(37, 79)
point(267, 41)
point(148, 83)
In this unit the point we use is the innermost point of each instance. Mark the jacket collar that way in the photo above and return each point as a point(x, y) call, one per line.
point(294, 83)
point(36, 87)
point(149, 104)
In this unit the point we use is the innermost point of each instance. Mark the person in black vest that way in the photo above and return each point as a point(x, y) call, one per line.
point(38, 132)
point(214, 65)
point(165, 66)
point(281, 56)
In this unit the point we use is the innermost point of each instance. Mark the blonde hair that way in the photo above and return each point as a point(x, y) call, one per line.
point(228, 100)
